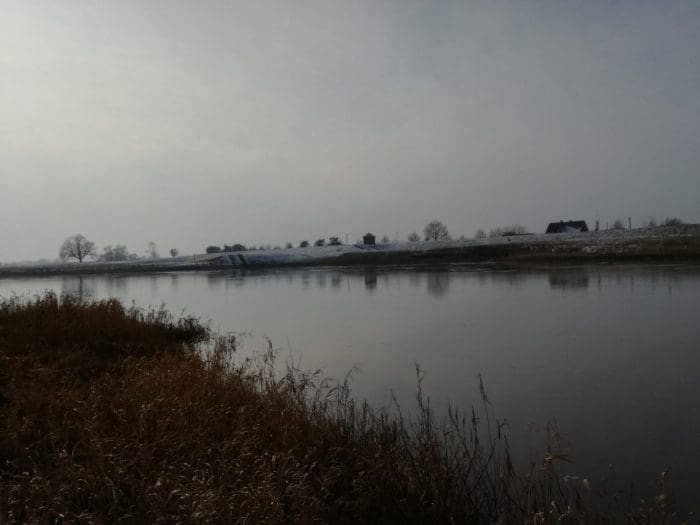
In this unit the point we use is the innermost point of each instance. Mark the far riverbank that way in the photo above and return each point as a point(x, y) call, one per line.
point(658, 245)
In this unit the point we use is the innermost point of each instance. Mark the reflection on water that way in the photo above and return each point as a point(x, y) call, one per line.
point(80, 286)
point(571, 280)
point(611, 353)
point(438, 283)
point(370, 280)
point(336, 279)
point(116, 284)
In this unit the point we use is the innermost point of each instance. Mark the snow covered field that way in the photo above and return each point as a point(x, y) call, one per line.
point(590, 242)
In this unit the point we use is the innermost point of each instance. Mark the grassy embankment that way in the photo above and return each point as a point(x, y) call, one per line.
point(661, 244)
point(114, 415)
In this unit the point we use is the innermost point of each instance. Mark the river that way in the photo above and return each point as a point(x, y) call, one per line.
point(609, 353)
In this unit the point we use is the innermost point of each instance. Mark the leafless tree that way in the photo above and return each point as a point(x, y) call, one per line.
point(152, 250)
point(77, 247)
point(480, 234)
point(436, 231)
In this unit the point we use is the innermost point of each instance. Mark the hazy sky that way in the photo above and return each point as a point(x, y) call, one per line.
point(195, 123)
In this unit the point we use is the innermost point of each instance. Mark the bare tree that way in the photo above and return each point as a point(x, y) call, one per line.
point(414, 237)
point(436, 231)
point(173, 252)
point(480, 234)
point(385, 239)
point(77, 247)
point(152, 250)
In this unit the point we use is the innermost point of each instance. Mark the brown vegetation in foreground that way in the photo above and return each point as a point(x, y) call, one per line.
point(112, 415)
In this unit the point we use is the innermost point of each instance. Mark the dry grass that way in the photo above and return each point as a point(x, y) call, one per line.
point(112, 415)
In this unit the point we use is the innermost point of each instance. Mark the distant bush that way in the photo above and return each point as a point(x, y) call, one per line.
point(234, 248)
point(618, 225)
point(213, 249)
point(334, 241)
point(673, 221)
point(304, 244)
point(414, 237)
point(114, 253)
point(320, 242)
point(515, 229)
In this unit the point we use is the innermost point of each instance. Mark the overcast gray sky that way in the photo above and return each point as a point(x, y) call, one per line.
point(210, 122)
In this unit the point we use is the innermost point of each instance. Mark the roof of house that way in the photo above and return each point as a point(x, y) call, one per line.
point(567, 227)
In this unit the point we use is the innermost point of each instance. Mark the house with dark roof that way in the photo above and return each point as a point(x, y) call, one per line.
point(567, 227)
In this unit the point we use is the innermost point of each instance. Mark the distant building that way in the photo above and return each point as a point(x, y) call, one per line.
point(369, 239)
point(567, 227)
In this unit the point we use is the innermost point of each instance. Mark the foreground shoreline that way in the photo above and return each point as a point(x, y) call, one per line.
point(660, 245)
point(109, 414)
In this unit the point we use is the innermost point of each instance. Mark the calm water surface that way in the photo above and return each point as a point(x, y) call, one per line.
point(611, 354)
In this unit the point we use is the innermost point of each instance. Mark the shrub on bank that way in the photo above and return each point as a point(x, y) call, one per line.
point(110, 414)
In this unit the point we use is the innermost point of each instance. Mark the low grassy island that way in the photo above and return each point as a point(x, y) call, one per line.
point(116, 415)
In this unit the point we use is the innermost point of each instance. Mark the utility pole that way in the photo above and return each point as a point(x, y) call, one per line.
point(629, 221)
